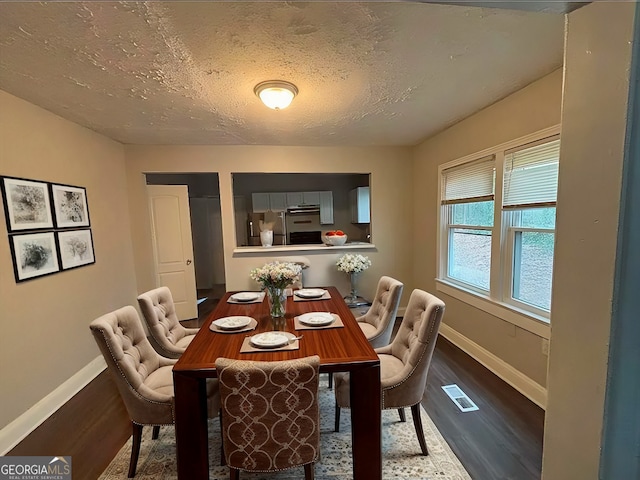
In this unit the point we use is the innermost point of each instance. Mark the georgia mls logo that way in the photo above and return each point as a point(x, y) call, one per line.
point(35, 468)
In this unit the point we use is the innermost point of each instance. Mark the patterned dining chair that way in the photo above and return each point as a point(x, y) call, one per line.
point(404, 363)
point(270, 414)
point(143, 377)
point(168, 336)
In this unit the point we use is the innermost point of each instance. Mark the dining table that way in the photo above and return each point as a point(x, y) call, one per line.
point(341, 349)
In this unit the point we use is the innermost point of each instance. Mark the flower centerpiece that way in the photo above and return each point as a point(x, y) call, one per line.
point(353, 264)
point(275, 277)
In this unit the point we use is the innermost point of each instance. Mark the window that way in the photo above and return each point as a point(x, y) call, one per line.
point(504, 256)
point(529, 209)
point(468, 201)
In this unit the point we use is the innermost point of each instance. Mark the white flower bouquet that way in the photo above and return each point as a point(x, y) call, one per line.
point(353, 263)
point(276, 274)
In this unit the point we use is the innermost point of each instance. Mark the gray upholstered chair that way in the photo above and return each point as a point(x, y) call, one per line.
point(168, 336)
point(270, 414)
point(143, 377)
point(404, 363)
point(377, 324)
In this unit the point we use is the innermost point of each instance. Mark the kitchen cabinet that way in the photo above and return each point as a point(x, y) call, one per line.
point(311, 198)
point(261, 202)
point(294, 199)
point(278, 201)
point(360, 209)
point(326, 207)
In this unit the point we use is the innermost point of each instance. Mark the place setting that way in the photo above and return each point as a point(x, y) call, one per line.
point(246, 297)
point(310, 294)
point(317, 320)
point(233, 324)
point(270, 341)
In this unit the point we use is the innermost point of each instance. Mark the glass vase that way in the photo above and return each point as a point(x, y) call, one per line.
point(277, 301)
point(352, 298)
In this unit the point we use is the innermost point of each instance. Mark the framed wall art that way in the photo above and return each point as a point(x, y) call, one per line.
point(70, 204)
point(34, 255)
point(76, 248)
point(26, 204)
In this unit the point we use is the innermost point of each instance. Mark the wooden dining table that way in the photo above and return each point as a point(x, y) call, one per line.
point(343, 349)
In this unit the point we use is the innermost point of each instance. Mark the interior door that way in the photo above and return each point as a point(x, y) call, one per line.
point(172, 245)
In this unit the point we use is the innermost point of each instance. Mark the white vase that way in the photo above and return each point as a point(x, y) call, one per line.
point(266, 238)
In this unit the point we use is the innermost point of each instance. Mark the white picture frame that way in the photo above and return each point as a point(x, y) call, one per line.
point(27, 204)
point(76, 248)
point(34, 255)
point(70, 205)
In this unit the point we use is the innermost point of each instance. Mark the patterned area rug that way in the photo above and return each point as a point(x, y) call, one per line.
point(401, 458)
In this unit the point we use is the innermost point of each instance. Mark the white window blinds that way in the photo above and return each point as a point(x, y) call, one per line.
point(471, 182)
point(531, 175)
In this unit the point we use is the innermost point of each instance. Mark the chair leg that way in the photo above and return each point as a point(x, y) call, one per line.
point(309, 471)
point(223, 460)
point(234, 473)
point(417, 422)
point(156, 432)
point(402, 416)
point(337, 425)
point(330, 380)
point(135, 449)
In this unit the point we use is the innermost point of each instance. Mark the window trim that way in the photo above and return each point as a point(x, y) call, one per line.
point(523, 316)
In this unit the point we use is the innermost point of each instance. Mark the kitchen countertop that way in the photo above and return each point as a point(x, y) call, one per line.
point(303, 248)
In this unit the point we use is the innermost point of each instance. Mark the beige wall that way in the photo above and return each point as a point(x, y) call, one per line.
point(597, 62)
point(391, 204)
point(531, 109)
point(44, 322)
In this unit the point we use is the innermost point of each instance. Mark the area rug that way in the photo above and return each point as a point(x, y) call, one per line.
point(401, 458)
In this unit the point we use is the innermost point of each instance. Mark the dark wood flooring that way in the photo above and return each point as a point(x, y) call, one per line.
point(502, 440)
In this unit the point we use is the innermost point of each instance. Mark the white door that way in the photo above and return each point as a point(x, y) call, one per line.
point(172, 245)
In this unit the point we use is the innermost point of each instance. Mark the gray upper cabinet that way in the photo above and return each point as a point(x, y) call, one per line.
point(278, 201)
point(260, 202)
point(326, 207)
point(294, 199)
point(311, 198)
point(359, 200)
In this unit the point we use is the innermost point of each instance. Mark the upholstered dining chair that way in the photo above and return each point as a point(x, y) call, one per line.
point(143, 377)
point(270, 414)
point(168, 336)
point(303, 262)
point(404, 363)
point(377, 324)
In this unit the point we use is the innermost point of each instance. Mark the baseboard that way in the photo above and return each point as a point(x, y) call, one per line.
point(26, 423)
point(518, 380)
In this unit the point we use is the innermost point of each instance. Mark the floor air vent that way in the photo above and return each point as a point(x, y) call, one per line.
point(460, 398)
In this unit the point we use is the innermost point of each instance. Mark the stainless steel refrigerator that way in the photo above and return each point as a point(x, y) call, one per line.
point(279, 227)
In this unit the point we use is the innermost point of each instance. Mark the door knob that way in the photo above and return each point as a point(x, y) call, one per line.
point(189, 262)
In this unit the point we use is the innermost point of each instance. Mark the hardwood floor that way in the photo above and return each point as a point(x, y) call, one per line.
point(502, 440)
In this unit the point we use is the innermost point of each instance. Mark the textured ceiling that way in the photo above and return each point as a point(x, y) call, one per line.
point(184, 72)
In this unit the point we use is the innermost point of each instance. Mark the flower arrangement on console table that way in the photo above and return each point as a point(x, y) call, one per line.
point(353, 264)
point(275, 277)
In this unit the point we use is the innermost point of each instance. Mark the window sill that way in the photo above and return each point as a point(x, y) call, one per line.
point(303, 248)
point(525, 320)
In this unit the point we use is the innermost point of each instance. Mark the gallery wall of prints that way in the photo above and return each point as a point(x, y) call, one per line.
point(48, 226)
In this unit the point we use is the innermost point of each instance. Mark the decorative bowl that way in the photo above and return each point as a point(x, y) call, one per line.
point(334, 240)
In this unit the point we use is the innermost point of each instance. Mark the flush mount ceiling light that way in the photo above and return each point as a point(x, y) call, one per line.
point(276, 94)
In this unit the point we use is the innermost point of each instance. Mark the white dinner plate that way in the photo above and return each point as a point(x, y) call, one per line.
point(317, 319)
point(245, 296)
point(232, 323)
point(310, 292)
point(270, 339)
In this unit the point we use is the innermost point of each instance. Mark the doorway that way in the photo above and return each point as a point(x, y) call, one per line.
point(206, 233)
